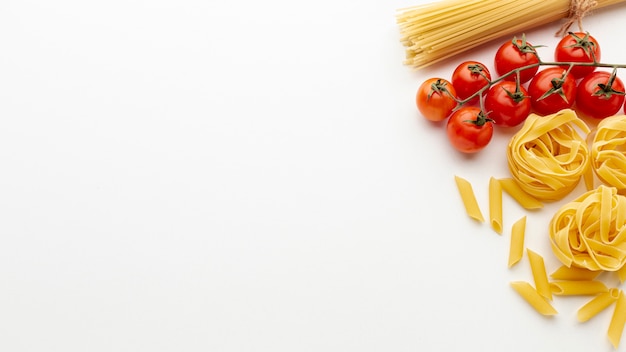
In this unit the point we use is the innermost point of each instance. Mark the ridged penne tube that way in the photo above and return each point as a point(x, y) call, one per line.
point(495, 205)
point(540, 276)
point(577, 288)
point(597, 304)
point(574, 274)
point(516, 248)
point(517, 193)
point(618, 319)
point(538, 302)
point(621, 274)
point(469, 199)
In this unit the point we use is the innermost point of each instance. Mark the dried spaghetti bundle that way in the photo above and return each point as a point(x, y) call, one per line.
point(439, 30)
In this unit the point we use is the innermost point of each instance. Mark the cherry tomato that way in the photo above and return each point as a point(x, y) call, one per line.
point(552, 90)
point(513, 55)
point(600, 95)
point(469, 130)
point(435, 99)
point(578, 47)
point(468, 78)
point(507, 103)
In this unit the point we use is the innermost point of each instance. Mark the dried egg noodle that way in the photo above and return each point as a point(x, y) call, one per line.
point(590, 231)
point(608, 152)
point(547, 157)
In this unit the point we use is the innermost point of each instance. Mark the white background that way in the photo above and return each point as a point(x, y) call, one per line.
point(232, 176)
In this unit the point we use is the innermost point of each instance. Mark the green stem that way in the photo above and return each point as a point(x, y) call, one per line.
point(538, 64)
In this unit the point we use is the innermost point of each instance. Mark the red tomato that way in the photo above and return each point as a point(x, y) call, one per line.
point(515, 54)
point(600, 95)
point(551, 90)
point(578, 47)
point(507, 104)
point(435, 99)
point(469, 130)
point(468, 78)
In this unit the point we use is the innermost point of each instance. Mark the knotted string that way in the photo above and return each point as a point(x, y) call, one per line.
point(577, 10)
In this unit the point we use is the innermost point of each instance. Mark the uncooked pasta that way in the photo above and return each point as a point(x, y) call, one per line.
point(547, 157)
point(439, 30)
point(590, 231)
point(608, 152)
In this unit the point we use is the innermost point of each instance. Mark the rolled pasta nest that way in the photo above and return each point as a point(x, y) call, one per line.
point(608, 152)
point(547, 157)
point(590, 231)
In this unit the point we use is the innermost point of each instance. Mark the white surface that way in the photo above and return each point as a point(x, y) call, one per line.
point(248, 176)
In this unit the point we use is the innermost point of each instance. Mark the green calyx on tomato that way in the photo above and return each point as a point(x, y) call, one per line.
point(477, 69)
point(599, 94)
point(517, 95)
point(469, 130)
point(469, 79)
point(557, 88)
point(606, 91)
point(435, 99)
point(439, 86)
point(585, 44)
point(524, 47)
point(480, 120)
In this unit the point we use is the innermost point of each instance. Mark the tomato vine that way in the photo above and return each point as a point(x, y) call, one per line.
point(551, 85)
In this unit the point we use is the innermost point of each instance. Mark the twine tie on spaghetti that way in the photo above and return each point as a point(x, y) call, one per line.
point(577, 10)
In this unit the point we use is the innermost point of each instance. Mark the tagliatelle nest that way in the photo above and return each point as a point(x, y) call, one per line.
point(547, 157)
point(608, 152)
point(590, 232)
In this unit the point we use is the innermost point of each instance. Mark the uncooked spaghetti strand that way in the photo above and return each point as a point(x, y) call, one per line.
point(439, 30)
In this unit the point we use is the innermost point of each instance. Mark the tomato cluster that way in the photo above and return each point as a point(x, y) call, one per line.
point(472, 102)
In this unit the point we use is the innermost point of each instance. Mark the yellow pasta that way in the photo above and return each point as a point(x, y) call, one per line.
point(590, 231)
point(516, 248)
point(538, 269)
point(574, 274)
point(516, 192)
point(621, 274)
point(597, 304)
point(538, 302)
point(577, 288)
point(439, 30)
point(608, 152)
point(495, 205)
point(547, 157)
point(469, 199)
point(616, 326)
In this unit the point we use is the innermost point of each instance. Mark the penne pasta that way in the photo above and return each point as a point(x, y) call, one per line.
point(616, 326)
point(538, 269)
point(469, 199)
point(574, 274)
point(621, 274)
point(516, 192)
point(538, 302)
point(516, 248)
point(597, 304)
point(495, 204)
point(577, 288)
